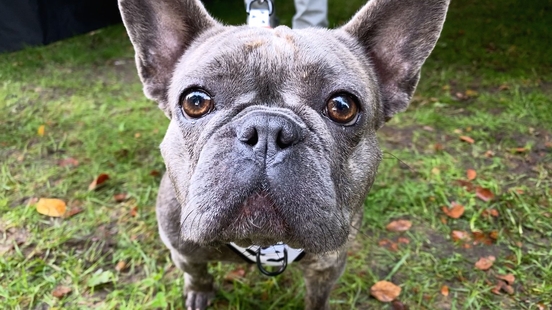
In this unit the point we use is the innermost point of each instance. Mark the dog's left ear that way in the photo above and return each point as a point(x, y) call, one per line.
point(398, 36)
point(160, 31)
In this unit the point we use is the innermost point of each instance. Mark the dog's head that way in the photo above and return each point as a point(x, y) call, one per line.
point(272, 133)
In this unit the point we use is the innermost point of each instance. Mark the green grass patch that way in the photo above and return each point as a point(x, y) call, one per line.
point(489, 78)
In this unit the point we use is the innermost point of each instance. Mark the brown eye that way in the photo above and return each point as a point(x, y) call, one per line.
point(342, 109)
point(196, 103)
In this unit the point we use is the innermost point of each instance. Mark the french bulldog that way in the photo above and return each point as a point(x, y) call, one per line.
point(272, 134)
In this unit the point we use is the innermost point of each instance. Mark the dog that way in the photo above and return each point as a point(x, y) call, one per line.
point(272, 134)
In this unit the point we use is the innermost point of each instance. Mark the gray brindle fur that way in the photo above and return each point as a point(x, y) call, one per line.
point(267, 164)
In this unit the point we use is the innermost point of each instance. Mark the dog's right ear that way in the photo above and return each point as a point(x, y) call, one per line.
point(160, 31)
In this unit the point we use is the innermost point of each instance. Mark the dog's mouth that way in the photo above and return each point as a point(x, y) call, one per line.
point(257, 221)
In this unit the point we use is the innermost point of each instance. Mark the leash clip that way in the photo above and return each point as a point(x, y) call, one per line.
point(263, 251)
point(259, 17)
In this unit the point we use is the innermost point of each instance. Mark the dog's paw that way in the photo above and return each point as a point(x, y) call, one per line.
point(198, 300)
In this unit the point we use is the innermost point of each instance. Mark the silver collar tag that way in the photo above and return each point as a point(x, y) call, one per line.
point(260, 15)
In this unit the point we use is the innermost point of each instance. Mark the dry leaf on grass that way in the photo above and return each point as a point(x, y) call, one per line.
point(120, 197)
point(41, 129)
point(485, 263)
point(467, 139)
point(455, 211)
point(51, 207)
point(509, 278)
point(444, 290)
point(484, 194)
point(121, 265)
point(235, 274)
point(399, 225)
point(471, 174)
point(66, 162)
point(61, 291)
point(385, 291)
point(397, 305)
point(458, 235)
point(98, 181)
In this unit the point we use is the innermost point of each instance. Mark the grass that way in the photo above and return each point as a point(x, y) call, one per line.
point(489, 78)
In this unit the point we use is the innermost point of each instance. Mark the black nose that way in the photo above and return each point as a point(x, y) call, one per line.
point(269, 133)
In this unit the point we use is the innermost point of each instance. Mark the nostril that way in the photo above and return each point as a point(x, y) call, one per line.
point(284, 140)
point(253, 138)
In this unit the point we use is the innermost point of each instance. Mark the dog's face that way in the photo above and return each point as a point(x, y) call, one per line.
point(272, 131)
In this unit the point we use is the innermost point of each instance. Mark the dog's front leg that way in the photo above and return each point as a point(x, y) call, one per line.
point(321, 272)
point(198, 283)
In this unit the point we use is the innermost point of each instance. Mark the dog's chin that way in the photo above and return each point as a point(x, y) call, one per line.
point(257, 221)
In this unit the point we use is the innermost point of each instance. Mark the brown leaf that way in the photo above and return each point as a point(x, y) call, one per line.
point(134, 211)
point(509, 278)
point(73, 211)
point(467, 139)
point(399, 225)
point(508, 289)
point(493, 212)
point(68, 162)
point(121, 265)
point(494, 234)
point(51, 207)
point(496, 289)
point(403, 240)
point(61, 291)
point(428, 128)
point(438, 147)
point(41, 129)
point(155, 173)
point(466, 184)
point(236, 274)
point(489, 154)
point(385, 291)
point(460, 235)
point(520, 150)
point(485, 263)
point(120, 197)
point(455, 211)
point(484, 194)
point(471, 174)
point(481, 238)
point(445, 290)
point(397, 305)
point(98, 181)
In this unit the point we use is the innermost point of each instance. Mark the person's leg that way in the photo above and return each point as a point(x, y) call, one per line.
point(310, 13)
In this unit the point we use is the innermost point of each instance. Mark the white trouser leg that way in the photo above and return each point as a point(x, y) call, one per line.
point(310, 13)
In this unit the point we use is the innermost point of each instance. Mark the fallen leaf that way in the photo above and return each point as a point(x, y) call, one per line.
point(489, 154)
point(41, 129)
point(484, 194)
point(509, 278)
point(485, 263)
point(397, 305)
point(496, 289)
point(236, 274)
point(384, 242)
point(466, 184)
point(61, 291)
point(481, 238)
point(438, 147)
point(471, 174)
point(493, 212)
point(51, 207)
point(68, 162)
point(494, 234)
point(445, 290)
point(121, 265)
point(73, 211)
point(508, 289)
point(457, 131)
point(428, 128)
point(503, 87)
point(98, 181)
point(403, 240)
point(435, 171)
point(385, 291)
point(154, 173)
point(137, 135)
point(455, 211)
point(134, 211)
point(467, 139)
point(471, 93)
point(399, 225)
point(120, 197)
point(520, 150)
point(458, 235)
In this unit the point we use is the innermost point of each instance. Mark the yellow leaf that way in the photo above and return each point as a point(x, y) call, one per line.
point(40, 130)
point(51, 207)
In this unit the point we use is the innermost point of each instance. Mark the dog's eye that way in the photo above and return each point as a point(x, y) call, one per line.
point(342, 109)
point(196, 103)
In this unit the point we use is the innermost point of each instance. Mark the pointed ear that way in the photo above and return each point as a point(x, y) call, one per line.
point(398, 36)
point(160, 31)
